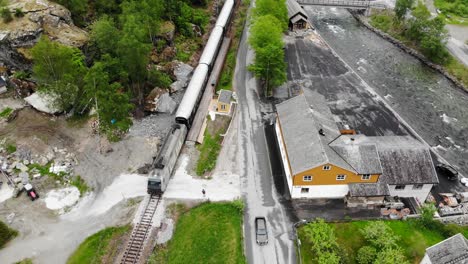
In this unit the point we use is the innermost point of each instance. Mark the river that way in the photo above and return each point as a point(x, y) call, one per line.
point(431, 104)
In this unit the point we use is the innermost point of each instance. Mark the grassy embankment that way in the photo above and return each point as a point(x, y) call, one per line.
point(225, 80)
point(101, 247)
point(454, 12)
point(6, 234)
point(209, 233)
point(385, 22)
point(414, 239)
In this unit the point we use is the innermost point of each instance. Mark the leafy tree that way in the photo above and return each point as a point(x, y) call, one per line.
point(103, 7)
point(276, 8)
point(402, 7)
point(266, 40)
point(427, 214)
point(366, 255)
point(159, 79)
point(324, 245)
point(59, 70)
point(391, 255)
point(380, 235)
point(145, 13)
point(105, 35)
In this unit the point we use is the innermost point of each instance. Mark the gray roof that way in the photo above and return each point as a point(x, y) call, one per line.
point(300, 126)
point(404, 160)
point(225, 96)
point(363, 157)
point(368, 189)
point(295, 19)
point(453, 250)
point(294, 9)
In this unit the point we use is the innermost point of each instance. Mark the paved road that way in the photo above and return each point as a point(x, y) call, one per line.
point(257, 183)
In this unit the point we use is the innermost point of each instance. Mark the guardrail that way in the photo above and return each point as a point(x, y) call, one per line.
point(343, 3)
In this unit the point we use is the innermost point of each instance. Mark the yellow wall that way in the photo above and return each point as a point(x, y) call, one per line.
point(227, 107)
point(328, 177)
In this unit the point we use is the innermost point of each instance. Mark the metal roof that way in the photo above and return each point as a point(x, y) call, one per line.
point(297, 18)
point(363, 158)
point(209, 52)
point(294, 8)
point(225, 96)
point(404, 159)
point(225, 13)
point(368, 189)
point(194, 90)
point(453, 250)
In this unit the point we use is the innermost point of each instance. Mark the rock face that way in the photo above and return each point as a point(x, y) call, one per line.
point(41, 17)
point(182, 73)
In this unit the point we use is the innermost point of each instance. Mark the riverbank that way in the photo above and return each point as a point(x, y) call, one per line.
point(457, 74)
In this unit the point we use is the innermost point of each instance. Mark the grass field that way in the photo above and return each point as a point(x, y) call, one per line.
point(209, 233)
point(6, 234)
point(414, 239)
point(101, 247)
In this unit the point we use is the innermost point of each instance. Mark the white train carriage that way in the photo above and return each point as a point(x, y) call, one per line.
point(188, 106)
point(225, 14)
point(212, 47)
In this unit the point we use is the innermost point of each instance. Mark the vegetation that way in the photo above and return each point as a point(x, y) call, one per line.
point(5, 113)
point(323, 244)
point(7, 17)
point(25, 261)
point(209, 151)
point(266, 40)
point(79, 183)
point(101, 247)
point(6, 234)
point(209, 233)
point(454, 11)
point(10, 148)
point(380, 241)
point(225, 81)
point(420, 31)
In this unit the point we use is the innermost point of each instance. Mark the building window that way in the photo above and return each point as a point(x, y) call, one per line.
point(307, 178)
point(326, 167)
point(418, 186)
point(399, 187)
point(340, 177)
point(304, 190)
point(223, 107)
point(365, 177)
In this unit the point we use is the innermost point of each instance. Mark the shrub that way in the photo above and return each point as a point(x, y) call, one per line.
point(6, 15)
point(10, 148)
point(366, 255)
point(380, 235)
point(19, 12)
point(6, 234)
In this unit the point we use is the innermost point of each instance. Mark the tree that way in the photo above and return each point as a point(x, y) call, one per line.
point(105, 35)
point(379, 235)
point(402, 7)
point(366, 255)
point(59, 70)
point(266, 40)
point(391, 255)
point(78, 9)
point(276, 8)
point(427, 214)
point(324, 245)
point(328, 258)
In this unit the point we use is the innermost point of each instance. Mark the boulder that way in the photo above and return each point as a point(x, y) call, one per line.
point(166, 104)
point(42, 102)
point(152, 99)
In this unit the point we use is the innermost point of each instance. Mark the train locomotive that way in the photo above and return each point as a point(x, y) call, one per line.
point(166, 159)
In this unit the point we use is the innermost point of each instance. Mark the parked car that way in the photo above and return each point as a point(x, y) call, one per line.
point(261, 231)
point(32, 193)
point(448, 171)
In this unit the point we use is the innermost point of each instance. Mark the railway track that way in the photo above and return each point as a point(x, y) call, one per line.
point(140, 232)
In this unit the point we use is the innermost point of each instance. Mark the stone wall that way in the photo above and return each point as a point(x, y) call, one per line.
point(408, 50)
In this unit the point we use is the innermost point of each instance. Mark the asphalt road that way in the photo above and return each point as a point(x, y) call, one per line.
point(257, 180)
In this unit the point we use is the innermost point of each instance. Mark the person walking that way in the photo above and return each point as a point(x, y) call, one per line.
point(204, 192)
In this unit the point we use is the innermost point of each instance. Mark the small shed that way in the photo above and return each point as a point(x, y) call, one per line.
point(297, 16)
point(224, 101)
point(367, 195)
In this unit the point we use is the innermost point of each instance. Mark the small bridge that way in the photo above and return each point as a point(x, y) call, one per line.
point(352, 4)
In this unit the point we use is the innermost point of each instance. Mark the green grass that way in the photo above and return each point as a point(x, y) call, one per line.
point(25, 261)
point(5, 113)
point(10, 148)
point(454, 12)
point(209, 233)
point(209, 151)
point(6, 234)
point(100, 247)
point(414, 239)
point(79, 183)
point(186, 47)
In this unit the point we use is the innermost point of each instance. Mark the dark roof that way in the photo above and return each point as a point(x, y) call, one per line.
point(453, 250)
point(297, 18)
point(368, 189)
point(225, 96)
point(294, 8)
point(404, 160)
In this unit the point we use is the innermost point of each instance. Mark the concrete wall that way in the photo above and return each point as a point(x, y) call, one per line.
point(420, 194)
point(320, 191)
point(284, 158)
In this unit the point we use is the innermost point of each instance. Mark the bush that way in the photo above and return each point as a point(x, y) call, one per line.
point(10, 148)
point(6, 15)
point(427, 215)
point(19, 12)
point(366, 255)
point(6, 234)
point(380, 235)
point(323, 239)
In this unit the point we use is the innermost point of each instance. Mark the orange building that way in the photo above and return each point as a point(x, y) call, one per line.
point(320, 162)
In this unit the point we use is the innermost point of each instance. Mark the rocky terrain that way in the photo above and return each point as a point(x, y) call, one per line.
point(40, 17)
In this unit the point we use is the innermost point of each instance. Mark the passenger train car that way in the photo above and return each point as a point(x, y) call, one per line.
point(167, 156)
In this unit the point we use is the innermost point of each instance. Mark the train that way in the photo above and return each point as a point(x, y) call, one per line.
point(165, 161)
